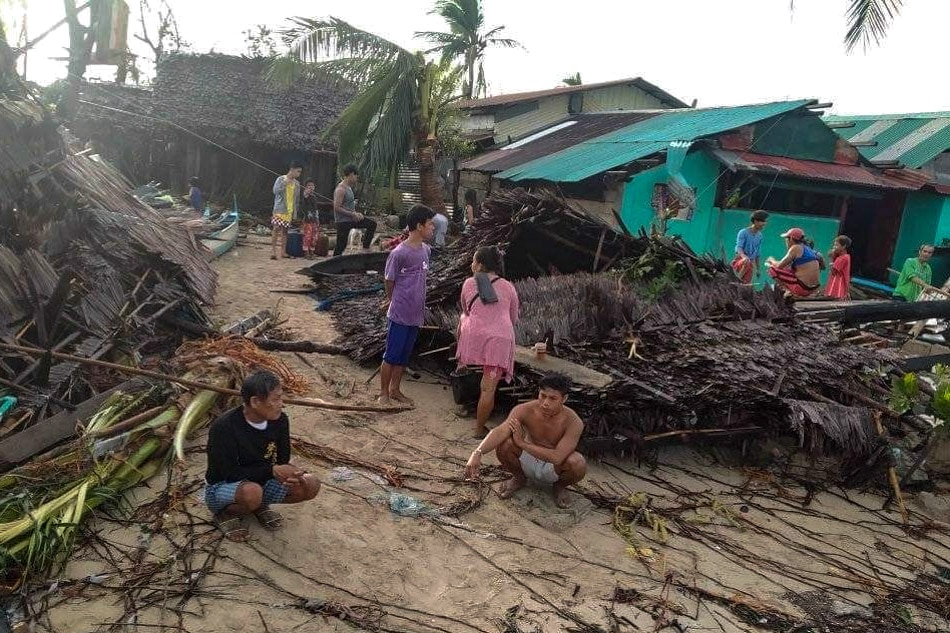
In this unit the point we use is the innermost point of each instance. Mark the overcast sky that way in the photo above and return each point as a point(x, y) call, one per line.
point(720, 52)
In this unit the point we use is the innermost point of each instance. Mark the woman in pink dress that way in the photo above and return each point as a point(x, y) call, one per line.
point(487, 329)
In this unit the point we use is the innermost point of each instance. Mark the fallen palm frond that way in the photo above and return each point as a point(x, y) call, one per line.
point(688, 348)
point(46, 502)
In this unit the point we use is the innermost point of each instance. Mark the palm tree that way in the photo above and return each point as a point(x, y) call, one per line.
point(467, 39)
point(401, 97)
point(572, 80)
point(869, 20)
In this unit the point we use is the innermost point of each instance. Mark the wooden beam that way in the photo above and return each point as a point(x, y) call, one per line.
point(838, 125)
point(864, 144)
point(566, 242)
point(820, 106)
point(21, 446)
point(924, 363)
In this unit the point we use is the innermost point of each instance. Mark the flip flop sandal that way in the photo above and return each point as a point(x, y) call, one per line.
point(269, 519)
point(233, 529)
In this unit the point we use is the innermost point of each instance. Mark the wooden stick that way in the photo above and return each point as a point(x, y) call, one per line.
point(600, 246)
point(702, 432)
point(924, 285)
point(305, 402)
point(892, 473)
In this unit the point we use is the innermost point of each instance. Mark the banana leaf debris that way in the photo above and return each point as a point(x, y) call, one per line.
point(85, 268)
point(692, 353)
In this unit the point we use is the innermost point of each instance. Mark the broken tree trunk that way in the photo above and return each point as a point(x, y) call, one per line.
point(310, 347)
point(885, 311)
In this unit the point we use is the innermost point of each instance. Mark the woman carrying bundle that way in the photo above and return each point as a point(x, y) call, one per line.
point(487, 328)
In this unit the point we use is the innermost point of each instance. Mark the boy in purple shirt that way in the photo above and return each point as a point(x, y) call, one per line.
point(405, 302)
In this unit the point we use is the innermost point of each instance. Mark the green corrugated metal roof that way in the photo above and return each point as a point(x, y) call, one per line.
point(911, 139)
point(641, 139)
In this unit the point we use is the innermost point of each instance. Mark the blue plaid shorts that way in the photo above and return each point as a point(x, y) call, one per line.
point(220, 495)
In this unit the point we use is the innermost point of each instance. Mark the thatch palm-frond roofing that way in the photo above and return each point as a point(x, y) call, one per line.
point(225, 98)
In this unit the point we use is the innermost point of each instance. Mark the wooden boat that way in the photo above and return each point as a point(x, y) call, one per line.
point(221, 241)
point(355, 264)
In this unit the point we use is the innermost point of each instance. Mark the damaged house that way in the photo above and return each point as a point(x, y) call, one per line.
point(702, 171)
point(920, 142)
point(217, 117)
point(513, 120)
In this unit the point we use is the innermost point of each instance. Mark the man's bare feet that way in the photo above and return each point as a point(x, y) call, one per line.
point(383, 399)
point(399, 396)
point(511, 486)
point(480, 433)
point(562, 498)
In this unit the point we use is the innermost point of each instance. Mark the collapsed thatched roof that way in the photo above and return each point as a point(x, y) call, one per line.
point(222, 97)
point(710, 354)
point(84, 266)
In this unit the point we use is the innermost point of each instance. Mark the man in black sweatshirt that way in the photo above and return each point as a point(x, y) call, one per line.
point(249, 460)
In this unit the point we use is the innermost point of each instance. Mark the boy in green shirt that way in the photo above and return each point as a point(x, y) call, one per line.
point(916, 271)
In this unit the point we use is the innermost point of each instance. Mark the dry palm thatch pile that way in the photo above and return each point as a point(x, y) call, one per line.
point(84, 266)
point(690, 350)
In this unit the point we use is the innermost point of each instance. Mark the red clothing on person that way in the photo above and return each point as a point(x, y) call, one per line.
point(839, 277)
point(743, 268)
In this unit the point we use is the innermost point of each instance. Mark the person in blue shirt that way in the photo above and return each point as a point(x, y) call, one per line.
point(195, 199)
point(748, 248)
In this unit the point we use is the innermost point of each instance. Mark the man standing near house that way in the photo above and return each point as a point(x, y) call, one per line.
point(405, 303)
point(915, 274)
point(748, 248)
point(345, 215)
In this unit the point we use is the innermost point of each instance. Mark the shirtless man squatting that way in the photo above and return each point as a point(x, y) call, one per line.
point(537, 441)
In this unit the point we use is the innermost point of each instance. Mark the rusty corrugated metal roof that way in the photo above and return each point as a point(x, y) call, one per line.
point(518, 97)
point(583, 127)
point(827, 172)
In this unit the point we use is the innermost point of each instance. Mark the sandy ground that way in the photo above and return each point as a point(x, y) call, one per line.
point(517, 565)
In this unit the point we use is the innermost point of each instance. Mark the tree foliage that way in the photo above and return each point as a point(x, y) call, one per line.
point(868, 21)
point(572, 80)
point(402, 98)
point(466, 39)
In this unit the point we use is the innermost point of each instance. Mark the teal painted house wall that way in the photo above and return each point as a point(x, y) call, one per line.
point(822, 230)
point(926, 219)
point(713, 230)
point(700, 171)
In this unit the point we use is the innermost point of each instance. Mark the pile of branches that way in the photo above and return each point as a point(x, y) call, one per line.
point(689, 349)
point(713, 355)
point(85, 267)
point(540, 235)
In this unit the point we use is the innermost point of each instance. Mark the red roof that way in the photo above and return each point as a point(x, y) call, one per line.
point(905, 179)
point(517, 97)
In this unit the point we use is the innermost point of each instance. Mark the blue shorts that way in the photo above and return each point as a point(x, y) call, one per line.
point(220, 495)
point(400, 339)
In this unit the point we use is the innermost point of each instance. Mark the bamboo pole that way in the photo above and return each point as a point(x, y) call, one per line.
point(923, 285)
point(892, 472)
point(316, 403)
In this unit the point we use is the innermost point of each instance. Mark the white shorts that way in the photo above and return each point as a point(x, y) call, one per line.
point(536, 469)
